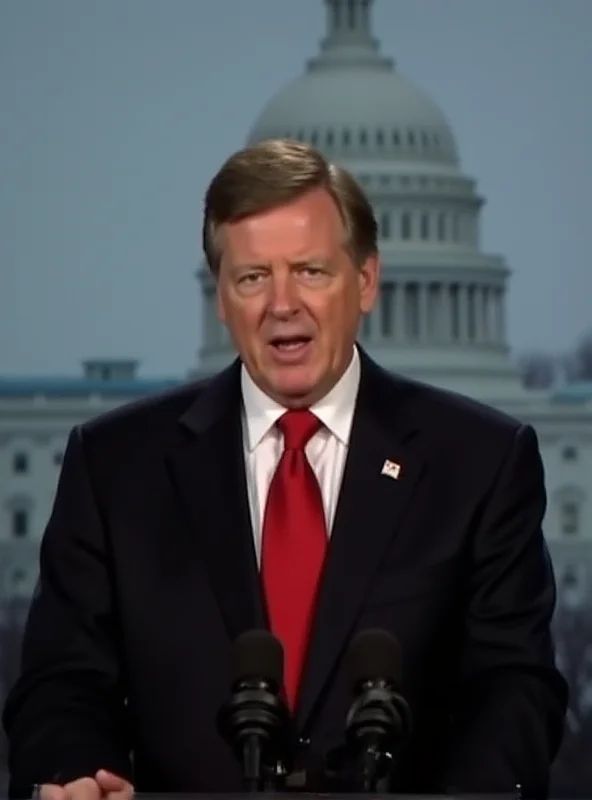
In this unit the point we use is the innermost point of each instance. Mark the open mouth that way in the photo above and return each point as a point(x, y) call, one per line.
point(290, 343)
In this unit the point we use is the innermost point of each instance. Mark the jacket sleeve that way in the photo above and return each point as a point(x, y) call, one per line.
point(65, 717)
point(509, 710)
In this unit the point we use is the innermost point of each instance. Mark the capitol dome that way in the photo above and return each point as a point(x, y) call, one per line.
point(352, 101)
point(441, 312)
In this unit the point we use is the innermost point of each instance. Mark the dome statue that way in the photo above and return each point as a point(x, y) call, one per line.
point(354, 102)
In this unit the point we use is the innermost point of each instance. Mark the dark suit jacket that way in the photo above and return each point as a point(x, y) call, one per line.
point(148, 574)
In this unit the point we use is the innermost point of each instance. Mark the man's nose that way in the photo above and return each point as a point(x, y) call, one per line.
point(283, 299)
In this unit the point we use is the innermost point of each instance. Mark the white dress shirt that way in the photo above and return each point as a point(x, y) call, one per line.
point(326, 450)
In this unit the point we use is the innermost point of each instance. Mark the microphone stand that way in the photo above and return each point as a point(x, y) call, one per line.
point(256, 724)
point(375, 769)
point(375, 726)
point(251, 765)
point(275, 779)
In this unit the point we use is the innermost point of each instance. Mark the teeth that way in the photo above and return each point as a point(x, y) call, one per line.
point(290, 345)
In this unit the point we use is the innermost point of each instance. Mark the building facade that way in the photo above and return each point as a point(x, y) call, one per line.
point(36, 416)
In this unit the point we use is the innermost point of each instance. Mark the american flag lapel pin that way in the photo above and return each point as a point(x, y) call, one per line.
point(391, 469)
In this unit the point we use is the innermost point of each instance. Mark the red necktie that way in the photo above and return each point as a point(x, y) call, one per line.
point(294, 545)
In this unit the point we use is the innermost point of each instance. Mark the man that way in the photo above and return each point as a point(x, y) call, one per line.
point(302, 488)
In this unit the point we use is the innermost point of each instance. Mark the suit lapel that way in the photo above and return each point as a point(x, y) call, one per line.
point(209, 473)
point(368, 512)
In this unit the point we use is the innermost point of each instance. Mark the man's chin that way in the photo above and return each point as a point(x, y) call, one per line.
point(293, 387)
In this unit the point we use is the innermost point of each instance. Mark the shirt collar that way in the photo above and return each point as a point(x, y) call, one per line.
point(335, 410)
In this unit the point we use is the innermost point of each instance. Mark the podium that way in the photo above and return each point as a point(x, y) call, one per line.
point(293, 795)
point(320, 795)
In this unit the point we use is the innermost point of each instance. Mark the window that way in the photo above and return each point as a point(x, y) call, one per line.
point(441, 227)
point(406, 225)
point(363, 138)
point(20, 463)
point(19, 577)
point(569, 578)
point(18, 508)
point(20, 523)
point(570, 517)
point(379, 138)
point(570, 500)
point(58, 458)
point(346, 138)
point(425, 226)
point(329, 138)
point(385, 225)
point(396, 138)
point(570, 453)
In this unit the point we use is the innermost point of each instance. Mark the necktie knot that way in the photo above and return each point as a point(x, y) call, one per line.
point(298, 426)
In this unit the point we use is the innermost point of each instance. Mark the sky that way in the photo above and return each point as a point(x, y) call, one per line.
point(114, 115)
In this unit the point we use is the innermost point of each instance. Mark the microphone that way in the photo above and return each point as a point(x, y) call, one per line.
point(379, 719)
point(255, 721)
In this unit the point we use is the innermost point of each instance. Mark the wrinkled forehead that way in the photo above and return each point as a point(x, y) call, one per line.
point(310, 227)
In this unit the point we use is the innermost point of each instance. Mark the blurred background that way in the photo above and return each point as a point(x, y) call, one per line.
point(467, 122)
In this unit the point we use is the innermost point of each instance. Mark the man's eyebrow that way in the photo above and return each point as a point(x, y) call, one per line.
point(306, 262)
point(245, 266)
point(249, 265)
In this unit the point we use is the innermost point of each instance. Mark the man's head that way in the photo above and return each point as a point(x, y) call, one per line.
point(291, 240)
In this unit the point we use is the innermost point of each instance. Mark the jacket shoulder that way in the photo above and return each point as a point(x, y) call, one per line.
point(448, 417)
point(148, 425)
point(147, 412)
point(447, 406)
point(473, 438)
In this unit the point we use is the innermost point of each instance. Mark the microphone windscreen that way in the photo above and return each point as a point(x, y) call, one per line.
point(372, 655)
point(258, 654)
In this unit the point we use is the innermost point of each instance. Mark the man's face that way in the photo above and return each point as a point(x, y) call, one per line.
point(291, 297)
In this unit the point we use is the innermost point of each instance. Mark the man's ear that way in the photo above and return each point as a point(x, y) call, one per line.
point(369, 281)
point(220, 309)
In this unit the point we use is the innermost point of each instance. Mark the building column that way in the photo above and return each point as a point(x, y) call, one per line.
point(400, 332)
point(445, 300)
point(423, 312)
point(483, 320)
point(502, 316)
point(385, 306)
point(463, 312)
point(491, 315)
